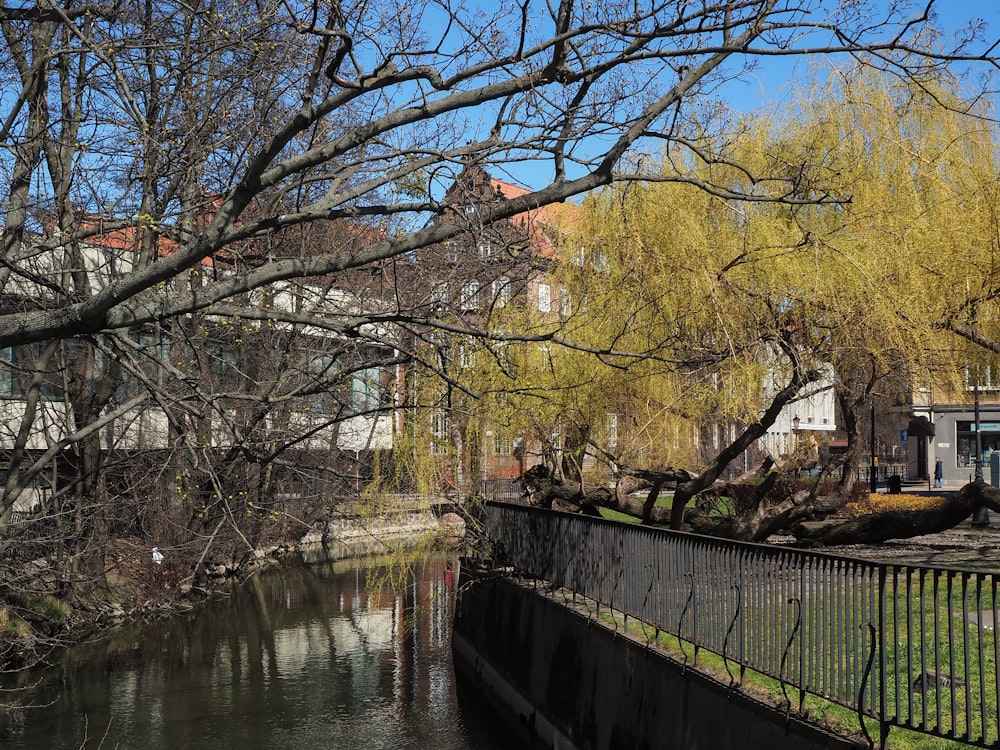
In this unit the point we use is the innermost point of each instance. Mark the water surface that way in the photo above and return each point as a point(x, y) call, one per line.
point(321, 656)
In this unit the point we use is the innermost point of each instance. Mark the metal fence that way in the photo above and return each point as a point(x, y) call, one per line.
point(502, 490)
point(908, 645)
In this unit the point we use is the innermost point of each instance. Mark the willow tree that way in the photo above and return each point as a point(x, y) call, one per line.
point(872, 253)
point(916, 245)
point(916, 241)
point(701, 336)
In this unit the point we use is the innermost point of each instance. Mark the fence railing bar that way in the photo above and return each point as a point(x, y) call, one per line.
point(909, 651)
point(864, 679)
point(996, 649)
point(680, 620)
point(725, 641)
point(784, 656)
point(980, 635)
point(923, 646)
point(878, 610)
point(967, 656)
point(951, 657)
point(937, 652)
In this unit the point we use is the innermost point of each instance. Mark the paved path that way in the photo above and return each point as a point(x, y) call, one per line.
point(960, 547)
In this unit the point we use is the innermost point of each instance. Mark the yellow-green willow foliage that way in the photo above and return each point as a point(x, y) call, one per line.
point(868, 221)
point(914, 247)
point(669, 289)
point(643, 326)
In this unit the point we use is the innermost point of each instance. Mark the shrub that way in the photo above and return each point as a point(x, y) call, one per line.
point(877, 503)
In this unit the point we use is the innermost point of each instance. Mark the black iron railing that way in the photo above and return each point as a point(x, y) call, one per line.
point(908, 645)
point(501, 490)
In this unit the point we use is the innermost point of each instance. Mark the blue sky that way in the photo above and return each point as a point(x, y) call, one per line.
point(768, 85)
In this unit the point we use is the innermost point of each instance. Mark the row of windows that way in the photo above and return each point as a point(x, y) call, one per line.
point(326, 388)
point(470, 292)
point(503, 445)
point(984, 378)
point(469, 298)
point(360, 392)
point(17, 370)
point(545, 300)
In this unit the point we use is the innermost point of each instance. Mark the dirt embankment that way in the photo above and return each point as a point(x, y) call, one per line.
point(138, 583)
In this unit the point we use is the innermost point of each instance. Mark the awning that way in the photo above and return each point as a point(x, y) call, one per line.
point(920, 427)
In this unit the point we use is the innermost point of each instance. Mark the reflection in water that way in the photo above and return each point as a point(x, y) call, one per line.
point(307, 657)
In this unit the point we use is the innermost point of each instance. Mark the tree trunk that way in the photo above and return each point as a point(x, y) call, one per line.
point(812, 520)
point(901, 524)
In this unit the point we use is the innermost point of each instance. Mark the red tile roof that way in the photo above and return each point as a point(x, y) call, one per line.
point(542, 222)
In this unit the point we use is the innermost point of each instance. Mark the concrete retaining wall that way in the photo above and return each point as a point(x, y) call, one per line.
point(566, 681)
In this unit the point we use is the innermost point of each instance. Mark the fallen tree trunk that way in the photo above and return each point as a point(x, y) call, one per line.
point(812, 520)
point(542, 488)
point(901, 524)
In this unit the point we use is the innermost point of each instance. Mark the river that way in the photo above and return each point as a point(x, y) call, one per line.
point(323, 656)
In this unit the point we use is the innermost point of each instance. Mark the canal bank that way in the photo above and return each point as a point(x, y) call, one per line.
point(339, 654)
point(139, 587)
point(568, 679)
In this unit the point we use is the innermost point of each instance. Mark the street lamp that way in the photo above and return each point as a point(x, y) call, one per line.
point(979, 434)
point(795, 442)
point(981, 516)
point(872, 467)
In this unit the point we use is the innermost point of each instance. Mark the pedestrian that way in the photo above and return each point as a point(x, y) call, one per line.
point(938, 472)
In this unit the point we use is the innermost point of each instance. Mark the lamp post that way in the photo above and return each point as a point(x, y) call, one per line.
point(872, 468)
point(795, 442)
point(981, 516)
point(979, 434)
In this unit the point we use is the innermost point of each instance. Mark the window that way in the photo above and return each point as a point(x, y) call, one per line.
point(10, 380)
point(612, 431)
point(485, 250)
point(965, 455)
point(439, 432)
point(223, 357)
point(366, 390)
point(439, 294)
point(565, 303)
point(466, 356)
point(149, 357)
point(321, 371)
point(156, 350)
point(502, 353)
point(544, 298)
point(17, 370)
point(470, 296)
point(501, 292)
point(501, 444)
point(984, 375)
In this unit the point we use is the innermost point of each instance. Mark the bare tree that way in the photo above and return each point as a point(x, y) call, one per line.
point(173, 171)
